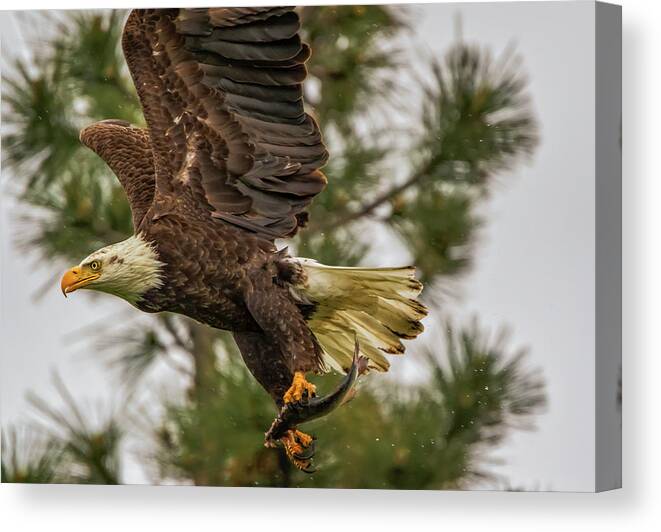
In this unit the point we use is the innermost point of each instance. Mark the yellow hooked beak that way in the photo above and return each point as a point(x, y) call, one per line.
point(76, 278)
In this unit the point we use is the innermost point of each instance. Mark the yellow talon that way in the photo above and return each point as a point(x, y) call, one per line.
point(299, 388)
point(304, 438)
point(299, 448)
point(291, 444)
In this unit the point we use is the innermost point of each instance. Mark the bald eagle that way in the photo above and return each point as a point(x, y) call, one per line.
point(228, 163)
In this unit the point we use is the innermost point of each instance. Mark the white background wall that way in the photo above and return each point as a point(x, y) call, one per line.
point(636, 506)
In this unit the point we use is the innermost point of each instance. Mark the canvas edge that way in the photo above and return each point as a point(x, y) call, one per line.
point(608, 253)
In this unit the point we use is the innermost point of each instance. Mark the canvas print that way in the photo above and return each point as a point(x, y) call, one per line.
point(330, 246)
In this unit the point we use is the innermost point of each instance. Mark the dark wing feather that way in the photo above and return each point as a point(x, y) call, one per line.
point(222, 96)
point(127, 150)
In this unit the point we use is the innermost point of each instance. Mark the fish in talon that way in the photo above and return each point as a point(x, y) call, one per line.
point(294, 414)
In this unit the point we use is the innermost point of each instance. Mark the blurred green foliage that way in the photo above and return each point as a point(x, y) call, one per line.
point(469, 121)
point(29, 458)
point(67, 448)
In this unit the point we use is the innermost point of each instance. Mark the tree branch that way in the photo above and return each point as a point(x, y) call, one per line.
point(370, 207)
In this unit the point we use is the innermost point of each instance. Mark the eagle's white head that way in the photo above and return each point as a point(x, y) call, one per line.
point(128, 269)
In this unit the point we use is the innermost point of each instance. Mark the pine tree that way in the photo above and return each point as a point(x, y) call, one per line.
point(470, 122)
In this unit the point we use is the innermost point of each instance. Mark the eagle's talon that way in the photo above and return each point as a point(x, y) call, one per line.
point(300, 390)
point(306, 453)
point(300, 449)
point(304, 439)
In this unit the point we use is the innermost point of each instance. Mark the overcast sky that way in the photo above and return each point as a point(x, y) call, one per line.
point(534, 269)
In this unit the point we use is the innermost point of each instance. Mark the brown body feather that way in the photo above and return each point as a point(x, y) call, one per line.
point(229, 279)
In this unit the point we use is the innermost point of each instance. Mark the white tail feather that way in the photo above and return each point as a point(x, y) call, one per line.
point(377, 306)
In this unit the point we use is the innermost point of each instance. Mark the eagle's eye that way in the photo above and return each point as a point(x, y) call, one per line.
point(95, 265)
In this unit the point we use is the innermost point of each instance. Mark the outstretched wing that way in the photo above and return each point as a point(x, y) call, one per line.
point(221, 93)
point(127, 150)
